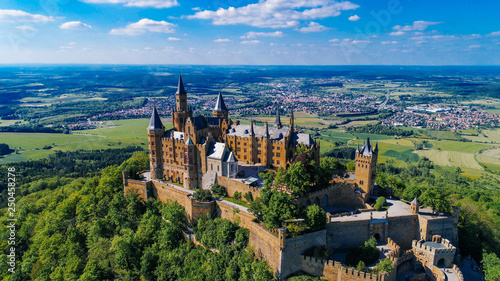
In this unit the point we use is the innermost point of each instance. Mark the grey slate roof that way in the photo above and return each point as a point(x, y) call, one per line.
point(277, 123)
point(199, 122)
point(180, 87)
point(214, 121)
point(155, 122)
point(259, 131)
point(367, 148)
point(189, 141)
point(303, 139)
point(415, 201)
point(216, 150)
point(220, 105)
point(230, 158)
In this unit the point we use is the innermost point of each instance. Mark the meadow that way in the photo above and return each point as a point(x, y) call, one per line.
point(451, 158)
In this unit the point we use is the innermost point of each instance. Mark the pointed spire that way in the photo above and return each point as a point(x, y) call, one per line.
point(251, 128)
point(189, 141)
point(267, 131)
point(415, 201)
point(277, 124)
point(180, 87)
point(220, 105)
point(368, 144)
point(357, 148)
point(155, 122)
point(376, 148)
point(291, 118)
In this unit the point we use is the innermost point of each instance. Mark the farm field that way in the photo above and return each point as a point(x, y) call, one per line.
point(6, 123)
point(488, 159)
point(459, 146)
point(130, 132)
point(451, 158)
point(488, 136)
point(495, 152)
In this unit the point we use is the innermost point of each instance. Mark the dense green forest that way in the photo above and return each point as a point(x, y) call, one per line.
point(85, 229)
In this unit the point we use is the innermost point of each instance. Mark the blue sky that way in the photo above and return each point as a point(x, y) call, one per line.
point(278, 32)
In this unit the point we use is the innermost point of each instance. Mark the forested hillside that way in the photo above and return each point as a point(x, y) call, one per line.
point(85, 229)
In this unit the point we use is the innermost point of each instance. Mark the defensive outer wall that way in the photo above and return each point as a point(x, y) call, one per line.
point(286, 255)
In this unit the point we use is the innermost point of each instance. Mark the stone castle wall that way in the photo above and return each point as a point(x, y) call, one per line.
point(233, 186)
point(295, 248)
point(333, 270)
point(337, 194)
point(403, 230)
point(349, 234)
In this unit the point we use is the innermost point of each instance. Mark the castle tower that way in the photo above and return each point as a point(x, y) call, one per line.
point(291, 120)
point(182, 111)
point(252, 143)
point(189, 163)
point(155, 133)
point(266, 148)
point(414, 206)
point(277, 124)
point(366, 162)
point(220, 109)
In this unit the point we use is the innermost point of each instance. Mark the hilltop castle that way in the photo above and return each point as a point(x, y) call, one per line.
point(213, 145)
point(202, 150)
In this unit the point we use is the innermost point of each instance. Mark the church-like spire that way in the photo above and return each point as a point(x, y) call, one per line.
point(180, 87)
point(220, 105)
point(252, 133)
point(267, 130)
point(277, 124)
point(291, 119)
point(155, 122)
point(376, 148)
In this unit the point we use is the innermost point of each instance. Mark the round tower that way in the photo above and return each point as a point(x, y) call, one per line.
point(189, 163)
point(155, 133)
point(414, 206)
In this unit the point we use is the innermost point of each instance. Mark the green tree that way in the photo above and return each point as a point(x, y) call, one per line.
point(361, 266)
point(491, 264)
point(203, 195)
point(219, 190)
point(315, 217)
point(135, 164)
point(384, 265)
point(257, 208)
point(298, 179)
point(248, 196)
point(280, 209)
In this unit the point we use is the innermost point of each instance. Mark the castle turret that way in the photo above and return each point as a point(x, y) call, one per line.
point(415, 206)
point(189, 162)
point(277, 123)
point(155, 133)
point(366, 162)
point(182, 111)
point(291, 120)
point(220, 109)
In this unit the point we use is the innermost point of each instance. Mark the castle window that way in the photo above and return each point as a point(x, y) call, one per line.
point(245, 150)
point(238, 149)
point(245, 157)
point(217, 168)
point(238, 143)
point(278, 154)
point(152, 143)
point(278, 162)
point(212, 167)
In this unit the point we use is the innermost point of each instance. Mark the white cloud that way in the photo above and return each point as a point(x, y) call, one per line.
point(397, 33)
point(275, 13)
point(493, 34)
point(250, 42)
point(419, 25)
point(354, 18)
point(27, 28)
point(389, 42)
point(348, 41)
point(474, 46)
point(221, 40)
point(21, 16)
point(138, 3)
point(143, 26)
point(253, 34)
point(173, 39)
point(75, 25)
point(313, 27)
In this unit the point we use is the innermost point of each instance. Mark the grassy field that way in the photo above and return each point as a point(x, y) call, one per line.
point(6, 123)
point(325, 145)
point(451, 158)
point(125, 133)
point(442, 135)
point(488, 136)
point(468, 147)
point(360, 123)
point(495, 152)
point(488, 160)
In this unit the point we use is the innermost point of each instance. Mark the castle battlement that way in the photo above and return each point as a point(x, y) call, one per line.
point(422, 246)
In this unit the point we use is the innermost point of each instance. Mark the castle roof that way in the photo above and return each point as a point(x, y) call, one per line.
point(415, 201)
point(259, 131)
point(214, 121)
point(230, 158)
point(216, 150)
point(189, 141)
point(220, 105)
point(200, 122)
point(155, 122)
point(180, 87)
point(277, 123)
point(302, 139)
point(366, 150)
